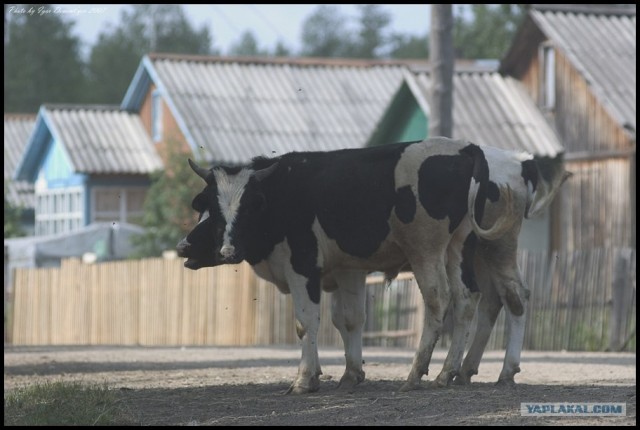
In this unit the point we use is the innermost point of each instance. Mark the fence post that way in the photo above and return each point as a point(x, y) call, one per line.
point(619, 305)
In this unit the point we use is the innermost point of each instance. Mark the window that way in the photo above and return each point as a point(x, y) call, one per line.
point(156, 116)
point(548, 83)
point(58, 210)
point(118, 204)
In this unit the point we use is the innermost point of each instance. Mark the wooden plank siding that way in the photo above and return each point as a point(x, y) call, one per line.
point(158, 302)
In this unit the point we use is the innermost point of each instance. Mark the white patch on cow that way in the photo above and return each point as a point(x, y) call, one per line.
point(230, 190)
point(501, 166)
point(205, 215)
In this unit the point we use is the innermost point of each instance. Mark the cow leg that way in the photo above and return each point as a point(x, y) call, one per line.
point(307, 314)
point(515, 340)
point(432, 281)
point(487, 313)
point(464, 296)
point(348, 316)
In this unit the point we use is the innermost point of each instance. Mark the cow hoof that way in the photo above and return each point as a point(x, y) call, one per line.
point(300, 388)
point(411, 386)
point(506, 382)
point(350, 379)
point(461, 380)
point(464, 377)
point(435, 385)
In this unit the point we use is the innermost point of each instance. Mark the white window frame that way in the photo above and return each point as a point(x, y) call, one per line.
point(156, 116)
point(548, 77)
point(53, 213)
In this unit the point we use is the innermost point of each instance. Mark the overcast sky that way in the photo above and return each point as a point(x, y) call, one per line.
point(227, 22)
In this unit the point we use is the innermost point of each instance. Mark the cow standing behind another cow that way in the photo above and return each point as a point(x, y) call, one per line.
point(322, 220)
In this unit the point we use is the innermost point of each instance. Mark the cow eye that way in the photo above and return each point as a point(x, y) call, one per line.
point(259, 203)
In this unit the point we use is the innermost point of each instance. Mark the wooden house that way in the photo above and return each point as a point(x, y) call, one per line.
point(578, 63)
point(488, 109)
point(89, 164)
point(19, 194)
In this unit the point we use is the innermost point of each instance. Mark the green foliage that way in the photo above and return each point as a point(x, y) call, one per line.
point(168, 215)
point(64, 404)
point(247, 46)
point(373, 22)
point(11, 218)
point(406, 46)
point(489, 32)
point(42, 62)
point(324, 33)
point(143, 29)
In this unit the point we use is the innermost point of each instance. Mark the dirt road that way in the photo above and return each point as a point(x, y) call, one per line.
point(244, 386)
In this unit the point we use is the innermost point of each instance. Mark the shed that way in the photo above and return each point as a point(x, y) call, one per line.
point(578, 63)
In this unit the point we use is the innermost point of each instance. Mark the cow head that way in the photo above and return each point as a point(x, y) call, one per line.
point(228, 206)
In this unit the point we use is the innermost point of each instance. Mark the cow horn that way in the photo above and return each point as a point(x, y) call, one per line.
point(264, 173)
point(200, 171)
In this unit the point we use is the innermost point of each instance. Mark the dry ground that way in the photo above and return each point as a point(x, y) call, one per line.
point(244, 386)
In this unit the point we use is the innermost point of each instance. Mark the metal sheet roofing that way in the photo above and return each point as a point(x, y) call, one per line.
point(495, 110)
point(17, 130)
point(600, 42)
point(102, 139)
point(235, 110)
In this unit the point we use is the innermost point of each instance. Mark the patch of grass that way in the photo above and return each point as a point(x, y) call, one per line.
point(64, 403)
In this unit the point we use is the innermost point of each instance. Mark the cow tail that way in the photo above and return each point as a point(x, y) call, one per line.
point(478, 194)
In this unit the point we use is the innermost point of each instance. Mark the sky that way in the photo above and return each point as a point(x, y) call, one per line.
point(269, 22)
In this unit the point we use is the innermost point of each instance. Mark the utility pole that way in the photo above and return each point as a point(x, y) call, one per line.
point(441, 59)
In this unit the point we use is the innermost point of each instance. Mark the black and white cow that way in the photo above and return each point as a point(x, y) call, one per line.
point(496, 268)
point(307, 221)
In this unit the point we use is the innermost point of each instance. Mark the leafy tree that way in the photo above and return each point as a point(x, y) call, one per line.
point(168, 215)
point(42, 61)
point(12, 215)
point(324, 33)
point(247, 46)
point(489, 32)
point(408, 46)
point(143, 29)
point(373, 21)
point(281, 50)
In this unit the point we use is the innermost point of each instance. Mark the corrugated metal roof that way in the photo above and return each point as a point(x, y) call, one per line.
point(495, 110)
point(600, 42)
point(102, 139)
point(235, 110)
point(17, 129)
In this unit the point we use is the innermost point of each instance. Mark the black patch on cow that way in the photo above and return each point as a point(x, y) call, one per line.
point(443, 184)
point(405, 204)
point(466, 265)
point(480, 175)
point(494, 192)
point(530, 173)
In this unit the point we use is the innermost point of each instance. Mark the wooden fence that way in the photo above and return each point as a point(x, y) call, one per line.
point(579, 301)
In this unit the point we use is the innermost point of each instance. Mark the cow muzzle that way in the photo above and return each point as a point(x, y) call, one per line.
point(227, 251)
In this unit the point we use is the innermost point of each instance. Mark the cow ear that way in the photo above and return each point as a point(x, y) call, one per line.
point(200, 171)
point(263, 174)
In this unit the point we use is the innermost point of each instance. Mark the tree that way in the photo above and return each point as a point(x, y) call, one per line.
point(12, 216)
point(371, 39)
point(408, 46)
point(168, 215)
point(247, 46)
point(42, 61)
point(489, 32)
point(142, 29)
point(324, 33)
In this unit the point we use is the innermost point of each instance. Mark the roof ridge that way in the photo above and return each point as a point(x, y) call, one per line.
point(294, 61)
point(72, 106)
point(596, 9)
point(17, 115)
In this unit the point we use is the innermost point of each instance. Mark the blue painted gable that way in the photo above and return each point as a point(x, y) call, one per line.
point(45, 158)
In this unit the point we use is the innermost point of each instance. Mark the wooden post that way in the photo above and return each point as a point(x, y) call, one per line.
point(619, 305)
